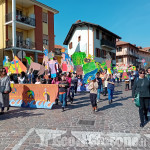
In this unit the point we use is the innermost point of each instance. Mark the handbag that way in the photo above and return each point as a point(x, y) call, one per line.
point(2, 88)
point(137, 100)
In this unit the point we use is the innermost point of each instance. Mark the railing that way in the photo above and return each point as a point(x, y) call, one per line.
point(58, 52)
point(21, 44)
point(22, 19)
point(108, 43)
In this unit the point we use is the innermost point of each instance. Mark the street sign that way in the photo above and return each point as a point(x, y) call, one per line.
point(21, 54)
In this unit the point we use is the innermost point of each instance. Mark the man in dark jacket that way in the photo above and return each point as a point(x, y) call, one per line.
point(63, 85)
point(142, 86)
point(99, 80)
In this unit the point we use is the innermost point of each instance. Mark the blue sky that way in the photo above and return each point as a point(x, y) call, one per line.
point(129, 19)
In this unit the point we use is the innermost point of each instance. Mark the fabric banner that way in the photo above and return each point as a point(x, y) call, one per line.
point(33, 95)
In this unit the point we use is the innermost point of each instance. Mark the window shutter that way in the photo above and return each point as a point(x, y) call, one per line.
point(45, 17)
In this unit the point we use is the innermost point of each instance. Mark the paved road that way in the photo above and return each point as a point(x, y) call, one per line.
point(114, 126)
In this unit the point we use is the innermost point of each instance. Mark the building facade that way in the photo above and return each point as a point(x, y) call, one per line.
point(91, 39)
point(26, 26)
point(130, 54)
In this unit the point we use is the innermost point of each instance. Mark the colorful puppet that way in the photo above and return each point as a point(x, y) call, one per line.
point(16, 66)
point(29, 60)
point(36, 66)
point(78, 58)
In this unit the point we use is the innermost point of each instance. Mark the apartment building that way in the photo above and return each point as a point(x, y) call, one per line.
point(26, 26)
point(91, 39)
point(130, 54)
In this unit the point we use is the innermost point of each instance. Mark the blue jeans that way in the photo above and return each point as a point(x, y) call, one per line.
point(102, 88)
point(110, 94)
point(72, 91)
point(62, 98)
point(98, 94)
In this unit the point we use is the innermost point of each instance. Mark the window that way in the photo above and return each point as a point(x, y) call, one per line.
point(98, 52)
point(70, 45)
point(45, 40)
point(45, 17)
point(119, 49)
point(97, 34)
point(79, 38)
point(104, 54)
point(119, 60)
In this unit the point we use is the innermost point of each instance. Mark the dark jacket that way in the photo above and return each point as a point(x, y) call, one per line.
point(141, 86)
point(99, 83)
point(63, 89)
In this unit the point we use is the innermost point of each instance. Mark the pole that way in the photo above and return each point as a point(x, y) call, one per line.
point(14, 23)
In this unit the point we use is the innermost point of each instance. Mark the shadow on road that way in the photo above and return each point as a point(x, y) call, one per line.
point(110, 106)
point(20, 112)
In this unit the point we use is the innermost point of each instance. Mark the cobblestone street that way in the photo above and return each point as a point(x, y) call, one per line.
point(78, 127)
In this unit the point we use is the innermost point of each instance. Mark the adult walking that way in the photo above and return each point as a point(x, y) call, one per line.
point(99, 80)
point(93, 86)
point(110, 87)
point(4, 90)
point(142, 86)
point(63, 85)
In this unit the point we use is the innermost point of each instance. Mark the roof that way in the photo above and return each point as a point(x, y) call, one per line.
point(146, 48)
point(45, 6)
point(121, 43)
point(73, 27)
point(59, 47)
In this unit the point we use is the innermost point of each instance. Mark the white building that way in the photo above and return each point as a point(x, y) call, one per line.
point(91, 39)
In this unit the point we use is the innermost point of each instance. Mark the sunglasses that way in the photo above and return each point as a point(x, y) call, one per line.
point(142, 72)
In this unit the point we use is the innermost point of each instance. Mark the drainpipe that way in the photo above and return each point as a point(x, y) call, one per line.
point(14, 25)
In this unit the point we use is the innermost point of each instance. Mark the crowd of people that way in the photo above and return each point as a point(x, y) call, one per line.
point(68, 82)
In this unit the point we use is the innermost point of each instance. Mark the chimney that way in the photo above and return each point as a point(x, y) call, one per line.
point(78, 21)
point(140, 47)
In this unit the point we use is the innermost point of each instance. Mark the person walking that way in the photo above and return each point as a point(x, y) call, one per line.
point(105, 84)
point(142, 86)
point(4, 90)
point(93, 86)
point(99, 80)
point(63, 85)
point(75, 82)
point(110, 87)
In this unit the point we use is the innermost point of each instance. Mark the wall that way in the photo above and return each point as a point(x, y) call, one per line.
point(2, 29)
point(51, 31)
point(39, 28)
point(83, 44)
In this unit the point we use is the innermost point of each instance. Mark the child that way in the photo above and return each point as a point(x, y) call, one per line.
point(38, 80)
point(93, 86)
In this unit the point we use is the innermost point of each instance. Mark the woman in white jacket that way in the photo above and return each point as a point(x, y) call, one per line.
point(93, 86)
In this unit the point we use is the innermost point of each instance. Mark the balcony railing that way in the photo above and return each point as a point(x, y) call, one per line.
point(21, 44)
point(108, 43)
point(22, 19)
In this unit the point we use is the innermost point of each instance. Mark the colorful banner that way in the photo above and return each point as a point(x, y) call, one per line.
point(33, 95)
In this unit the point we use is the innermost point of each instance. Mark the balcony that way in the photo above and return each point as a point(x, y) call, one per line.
point(22, 21)
point(108, 44)
point(26, 44)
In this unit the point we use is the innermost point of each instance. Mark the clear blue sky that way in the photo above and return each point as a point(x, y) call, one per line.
point(129, 19)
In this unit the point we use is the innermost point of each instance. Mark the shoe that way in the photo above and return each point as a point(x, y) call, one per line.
point(1, 113)
point(141, 125)
point(96, 110)
point(111, 101)
point(98, 100)
point(63, 109)
point(146, 118)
